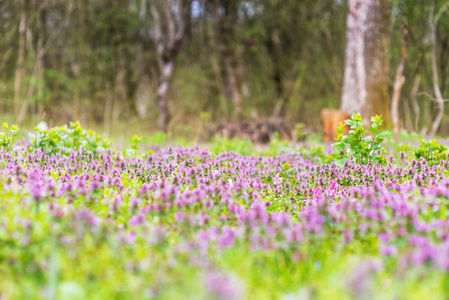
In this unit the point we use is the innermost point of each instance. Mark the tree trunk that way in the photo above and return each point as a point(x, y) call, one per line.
point(413, 93)
point(78, 59)
point(365, 86)
point(433, 22)
point(107, 111)
point(20, 57)
point(274, 51)
point(162, 91)
point(168, 45)
point(143, 90)
point(40, 24)
point(120, 90)
point(225, 23)
point(398, 82)
point(233, 88)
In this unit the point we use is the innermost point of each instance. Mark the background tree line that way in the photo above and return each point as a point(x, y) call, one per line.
point(170, 64)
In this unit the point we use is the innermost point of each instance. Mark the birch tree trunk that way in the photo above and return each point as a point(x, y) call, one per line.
point(398, 82)
point(144, 90)
point(365, 86)
point(169, 33)
point(164, 83)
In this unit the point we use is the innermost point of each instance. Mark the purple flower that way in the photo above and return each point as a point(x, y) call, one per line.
point(224, 287)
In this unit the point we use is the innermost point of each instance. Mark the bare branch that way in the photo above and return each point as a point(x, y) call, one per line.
point(432, 98)
point(440, 13)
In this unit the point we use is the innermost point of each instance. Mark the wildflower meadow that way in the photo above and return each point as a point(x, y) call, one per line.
point(83, 219)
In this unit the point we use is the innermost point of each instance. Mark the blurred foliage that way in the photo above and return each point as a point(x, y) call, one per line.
point(287, 51)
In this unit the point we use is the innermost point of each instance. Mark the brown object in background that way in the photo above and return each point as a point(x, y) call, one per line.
point(331, 119)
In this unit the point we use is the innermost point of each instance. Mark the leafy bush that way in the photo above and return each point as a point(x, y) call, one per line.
point(356, 144)
point(431, 151)
point(65, 140)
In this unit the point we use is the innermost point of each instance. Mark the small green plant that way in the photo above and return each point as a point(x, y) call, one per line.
point(135, 141)
point(8, 136)
point(431, 151)
point(356, 144)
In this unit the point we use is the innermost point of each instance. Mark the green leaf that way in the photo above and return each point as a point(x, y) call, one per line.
point(373, 128)
point(339, 147)
point(383, 134)
point(349, 122)
point(340, 163)
point(367, 139)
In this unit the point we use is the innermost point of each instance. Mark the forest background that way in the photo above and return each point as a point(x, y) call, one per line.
point(148, 65)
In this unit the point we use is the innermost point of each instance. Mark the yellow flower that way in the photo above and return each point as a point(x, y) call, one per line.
point(5, 125)
point(135, 139)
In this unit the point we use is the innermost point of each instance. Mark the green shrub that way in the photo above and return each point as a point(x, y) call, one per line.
point(431, 151)
point(356, 144)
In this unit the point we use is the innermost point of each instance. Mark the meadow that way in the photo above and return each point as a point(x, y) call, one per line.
point(82, 219)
